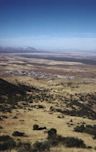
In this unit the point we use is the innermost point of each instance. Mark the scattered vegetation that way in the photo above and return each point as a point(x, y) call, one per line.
point(24, 147)
point(89, 129)
point(37, 127)
point(56, 139)
point(79, 105)
point(1, 127)
point(71, 142)
point(6, 142)
point(18, 133)
point(53, 140)
point(22, 100)
point(52, 133)
point(16, 96)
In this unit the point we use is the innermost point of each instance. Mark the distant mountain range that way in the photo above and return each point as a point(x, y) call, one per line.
point(18, 50)
point(50, 53)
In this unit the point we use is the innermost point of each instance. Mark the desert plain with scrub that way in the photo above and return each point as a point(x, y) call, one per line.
point(47, 103)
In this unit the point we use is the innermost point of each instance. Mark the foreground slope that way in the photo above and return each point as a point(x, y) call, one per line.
point(41, 103)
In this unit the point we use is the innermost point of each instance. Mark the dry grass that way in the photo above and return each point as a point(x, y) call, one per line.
point(64, 86)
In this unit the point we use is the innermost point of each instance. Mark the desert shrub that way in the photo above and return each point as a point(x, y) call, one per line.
point(71, 120)
point(52, 108)
point(15, 117)
point(86, 129)
point(89, 147)
point(90, 129)
point(18, 133)
point(79, 128)
point(67, 141)
point(41, 146)
point(36, 147)
point(24, 147)
point(60, 116)
point(40, 106)
point(5, 137)
point(6, 142)
point(55, 139)
point(35, 127)
point(42, 128)
point(94, 137)
point(52, 140)
point(74, 142)
point(1, 127)
point(52, 133)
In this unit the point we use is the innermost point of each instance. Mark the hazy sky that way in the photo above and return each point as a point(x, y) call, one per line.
point(49, 24)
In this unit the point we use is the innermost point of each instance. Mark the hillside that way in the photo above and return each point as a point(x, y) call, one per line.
point(47, 105)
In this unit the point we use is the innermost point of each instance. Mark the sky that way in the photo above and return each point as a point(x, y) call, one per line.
point(48, 24)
